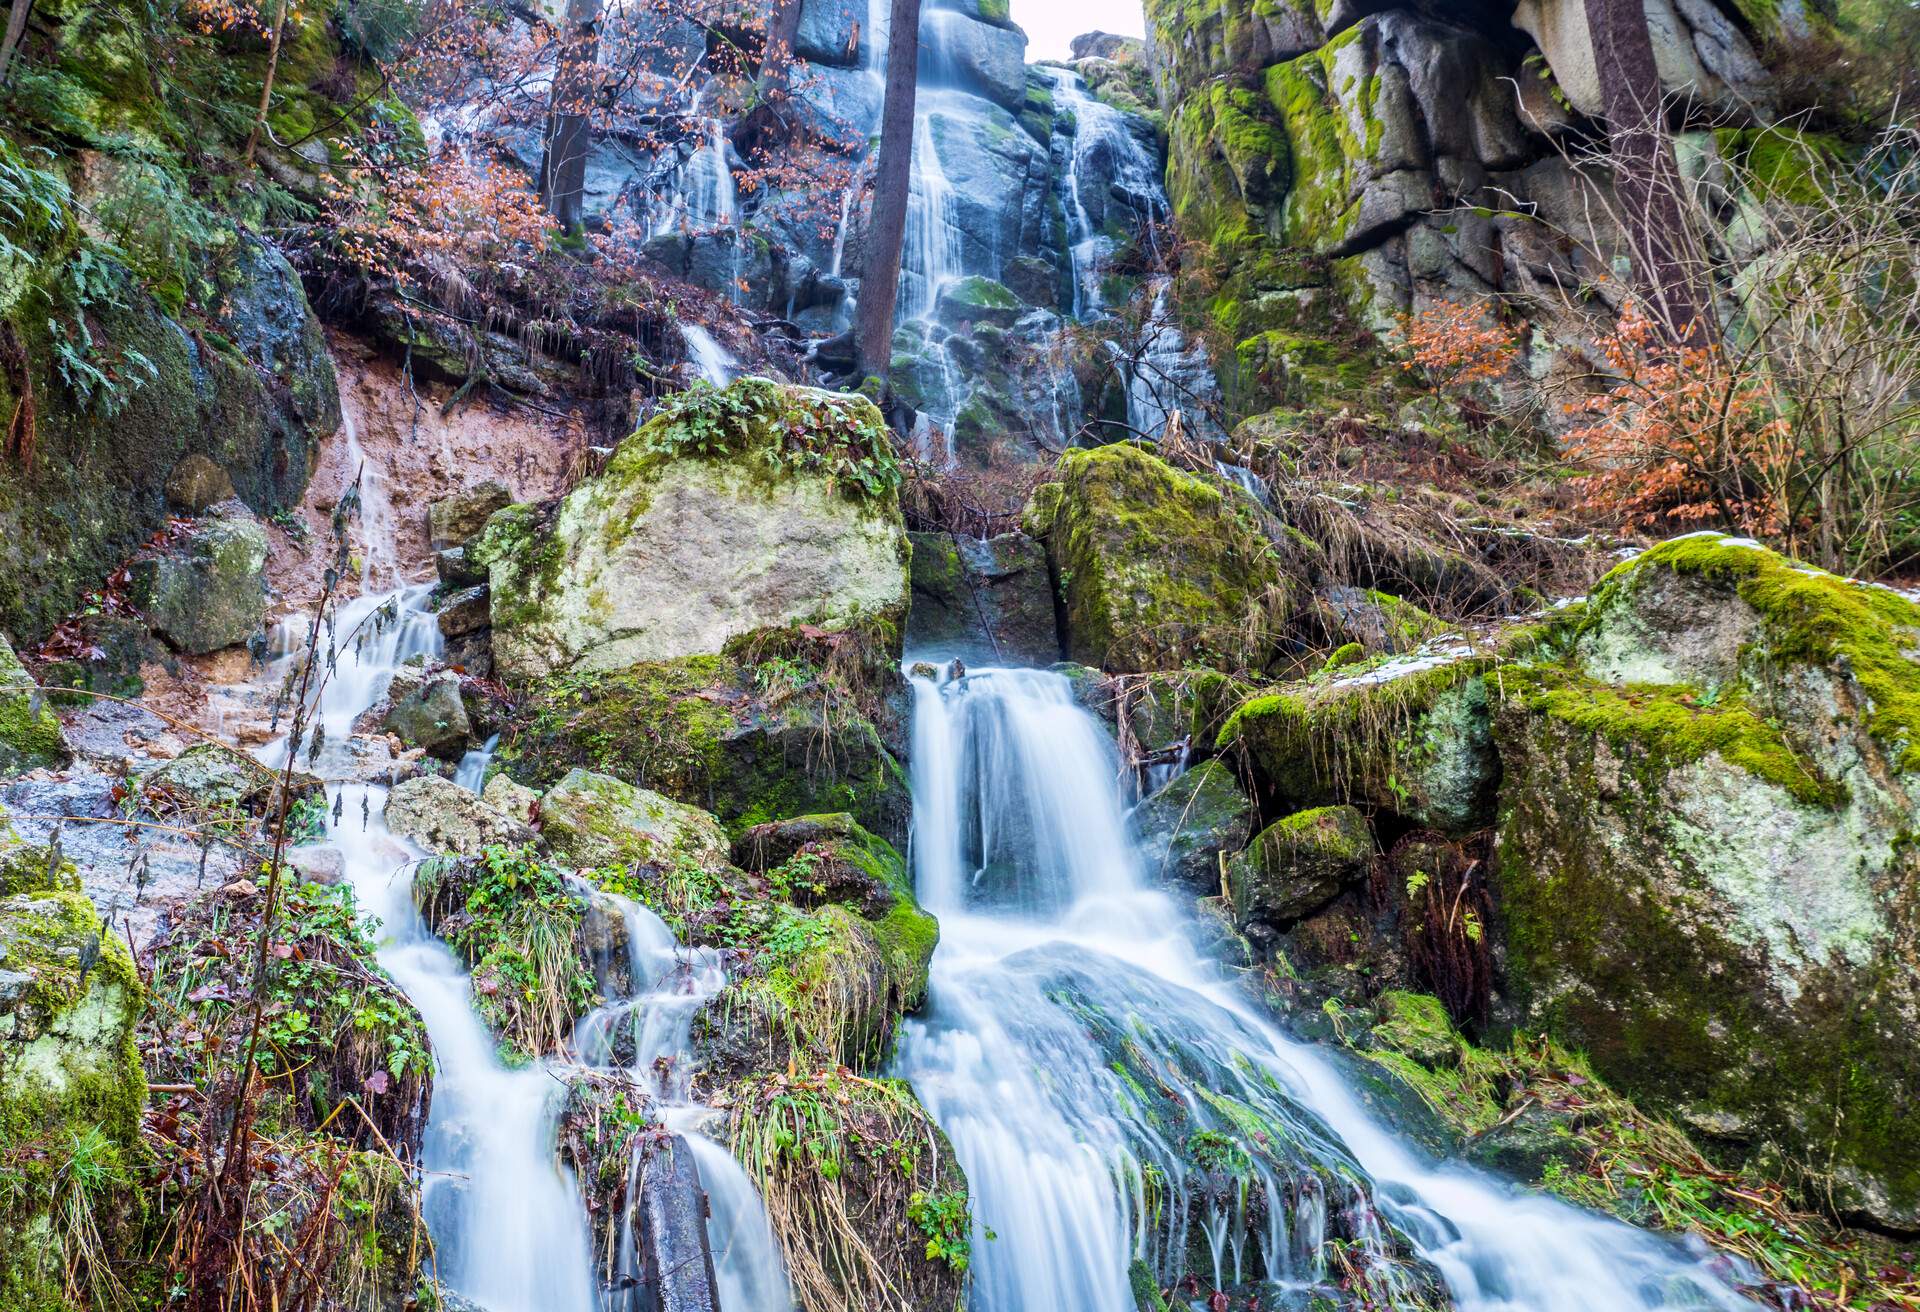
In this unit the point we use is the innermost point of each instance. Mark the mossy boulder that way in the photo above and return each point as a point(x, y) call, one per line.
point(1411, 737)
point(71, 1085)
point(211, 780)
point(990, 602)
point(750, 739)
point(977, 300)
point(1186, 827)
point(763, 505)
point(1156, 567)
point(593, 819)
point(1298, 864)
point(30, 735)
point(1706, 864)
point(205, 589)
point(451, 521)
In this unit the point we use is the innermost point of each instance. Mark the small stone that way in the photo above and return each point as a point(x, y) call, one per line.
point(432, 716)
point(443, 817)
point(463, 612)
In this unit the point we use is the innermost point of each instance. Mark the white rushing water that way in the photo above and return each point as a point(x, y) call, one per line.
point(715, 362)
point(508, 1222)
point(1053, 954)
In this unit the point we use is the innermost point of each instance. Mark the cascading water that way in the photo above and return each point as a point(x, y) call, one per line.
point(1113, 162)
point(508, 1222)
point(1062, 988)
point(715, 362)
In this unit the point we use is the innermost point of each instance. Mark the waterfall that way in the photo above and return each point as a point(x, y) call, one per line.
point(509, 1226)
point(1170, 375)
point(1102, 148)
point(1056, 977)
point(932, 256)
point(714, 361)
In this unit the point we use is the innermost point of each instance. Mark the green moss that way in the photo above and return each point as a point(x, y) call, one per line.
point(1157, 568)
point(1661, 726)
point(1810, 617)
point(1779, 163)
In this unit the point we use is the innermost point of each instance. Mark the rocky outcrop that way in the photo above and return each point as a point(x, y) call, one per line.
point(762, 506)
point(1187, 826)
point(593, 819)
point(1299, 864)
point(1156, 568)
point(429, 713)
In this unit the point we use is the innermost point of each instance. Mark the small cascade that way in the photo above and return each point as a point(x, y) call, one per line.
point(1063, 989)
point(700, 196)
point(647, 1036)
point(471, 773)
point(1104, 160)
point(1246, 480)
point(509, 1225)
point(933, 255)
point(1170, 376)
point(715, 362)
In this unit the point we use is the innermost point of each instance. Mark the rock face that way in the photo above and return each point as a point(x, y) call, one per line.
point(1355, 162)
point(1704, 865)
point(254, 399)
point(30, 734)
point(207, 590)
point(1156, 567)
point(452, 521)
point(673, 550)
point(987, 602)
point(69, 1001)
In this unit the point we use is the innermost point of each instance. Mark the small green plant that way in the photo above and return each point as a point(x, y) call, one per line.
point(947, 1222)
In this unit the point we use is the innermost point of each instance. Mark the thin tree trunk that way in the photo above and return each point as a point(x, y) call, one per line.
point(1645, 173)
point(892, 178)
point(758, 129)
point(16, 28)
point(266, 87)
point(563, 170)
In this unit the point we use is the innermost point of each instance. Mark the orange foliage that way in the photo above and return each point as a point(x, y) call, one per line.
point(392, 218)
point(1459, 346)
point(1678, 437)
point(1682, 438)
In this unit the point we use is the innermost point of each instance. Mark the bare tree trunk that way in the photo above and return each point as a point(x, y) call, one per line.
point(1644, 170)
point(563, 168)
point(16, 28)
point(266, 87)
point(759, 128)
point(887, 226)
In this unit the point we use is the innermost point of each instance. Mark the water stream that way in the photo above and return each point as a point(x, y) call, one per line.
point(508, 1222)
point(1063, 987)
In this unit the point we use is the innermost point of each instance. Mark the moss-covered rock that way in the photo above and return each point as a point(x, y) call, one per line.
point(205, 589)
point(429, 713)
point(1187, 826)
point(752, 736)
point(826, 988)
point(1706, 859)
point(1298, 864)
point(30, 735)
point(593, 819)
point(1156, 567)
point(728, 512)
point(71, 1086)
point(1411, 737)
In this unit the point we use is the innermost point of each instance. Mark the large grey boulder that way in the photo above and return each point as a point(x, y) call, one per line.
point(1299, 864)
point(665, 555)
point(832, 33)
point(1705, 868)
point(1701, 54)
point(206, 589)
